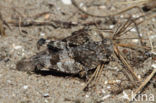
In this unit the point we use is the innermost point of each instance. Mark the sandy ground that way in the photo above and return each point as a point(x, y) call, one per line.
point(22, 87)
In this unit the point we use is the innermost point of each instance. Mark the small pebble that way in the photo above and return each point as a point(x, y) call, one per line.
point(95, 33)
point(112, 8)
point(84, 8)
point(102, 7)
point(82, 84)
point(118, 81)
point(108, 87)
point(58, 8)
point(135, 40)
point(154, 53)
point(154, 66)
point(46, 101)
point(153, 19)
point(25, 87)
point(74, 22)
point(9, 81)
point(135, 16)
point(16, 46)
point(141, 19)
point(66, 2)
point(46, 95)
point(140, 35)
point(152, 36)
point(23, 54)
point(105, 97)
point(81, 4)
point(87, 96)
point(106, 82)
point(121, 16)
point(42, 34)
point(116, 68)
point(133, 30)
point(111, 26)
point(139, 76)
point(103, 91)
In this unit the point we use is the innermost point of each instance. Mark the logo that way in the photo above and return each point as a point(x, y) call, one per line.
point(140, 97)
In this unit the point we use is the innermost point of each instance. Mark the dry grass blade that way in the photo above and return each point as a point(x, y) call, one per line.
point(143, 84)
point(138, 20)
point(107, 15)
point(99, 73)
point(2, 31)
point(95, 77)
point(121, 29)
point(133, 46)
point(151, 44)
point(121, 57)
point(138, 32)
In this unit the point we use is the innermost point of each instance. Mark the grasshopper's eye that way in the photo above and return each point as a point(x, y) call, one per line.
point(146, 8)
point(41, 42)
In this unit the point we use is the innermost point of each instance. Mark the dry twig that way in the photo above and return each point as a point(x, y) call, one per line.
point(143, 84)
point(2, 31)
point(130, 69)
point(95, 77)
point(104, 16)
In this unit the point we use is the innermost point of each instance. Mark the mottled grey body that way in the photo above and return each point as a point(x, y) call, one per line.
point(72, 55)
